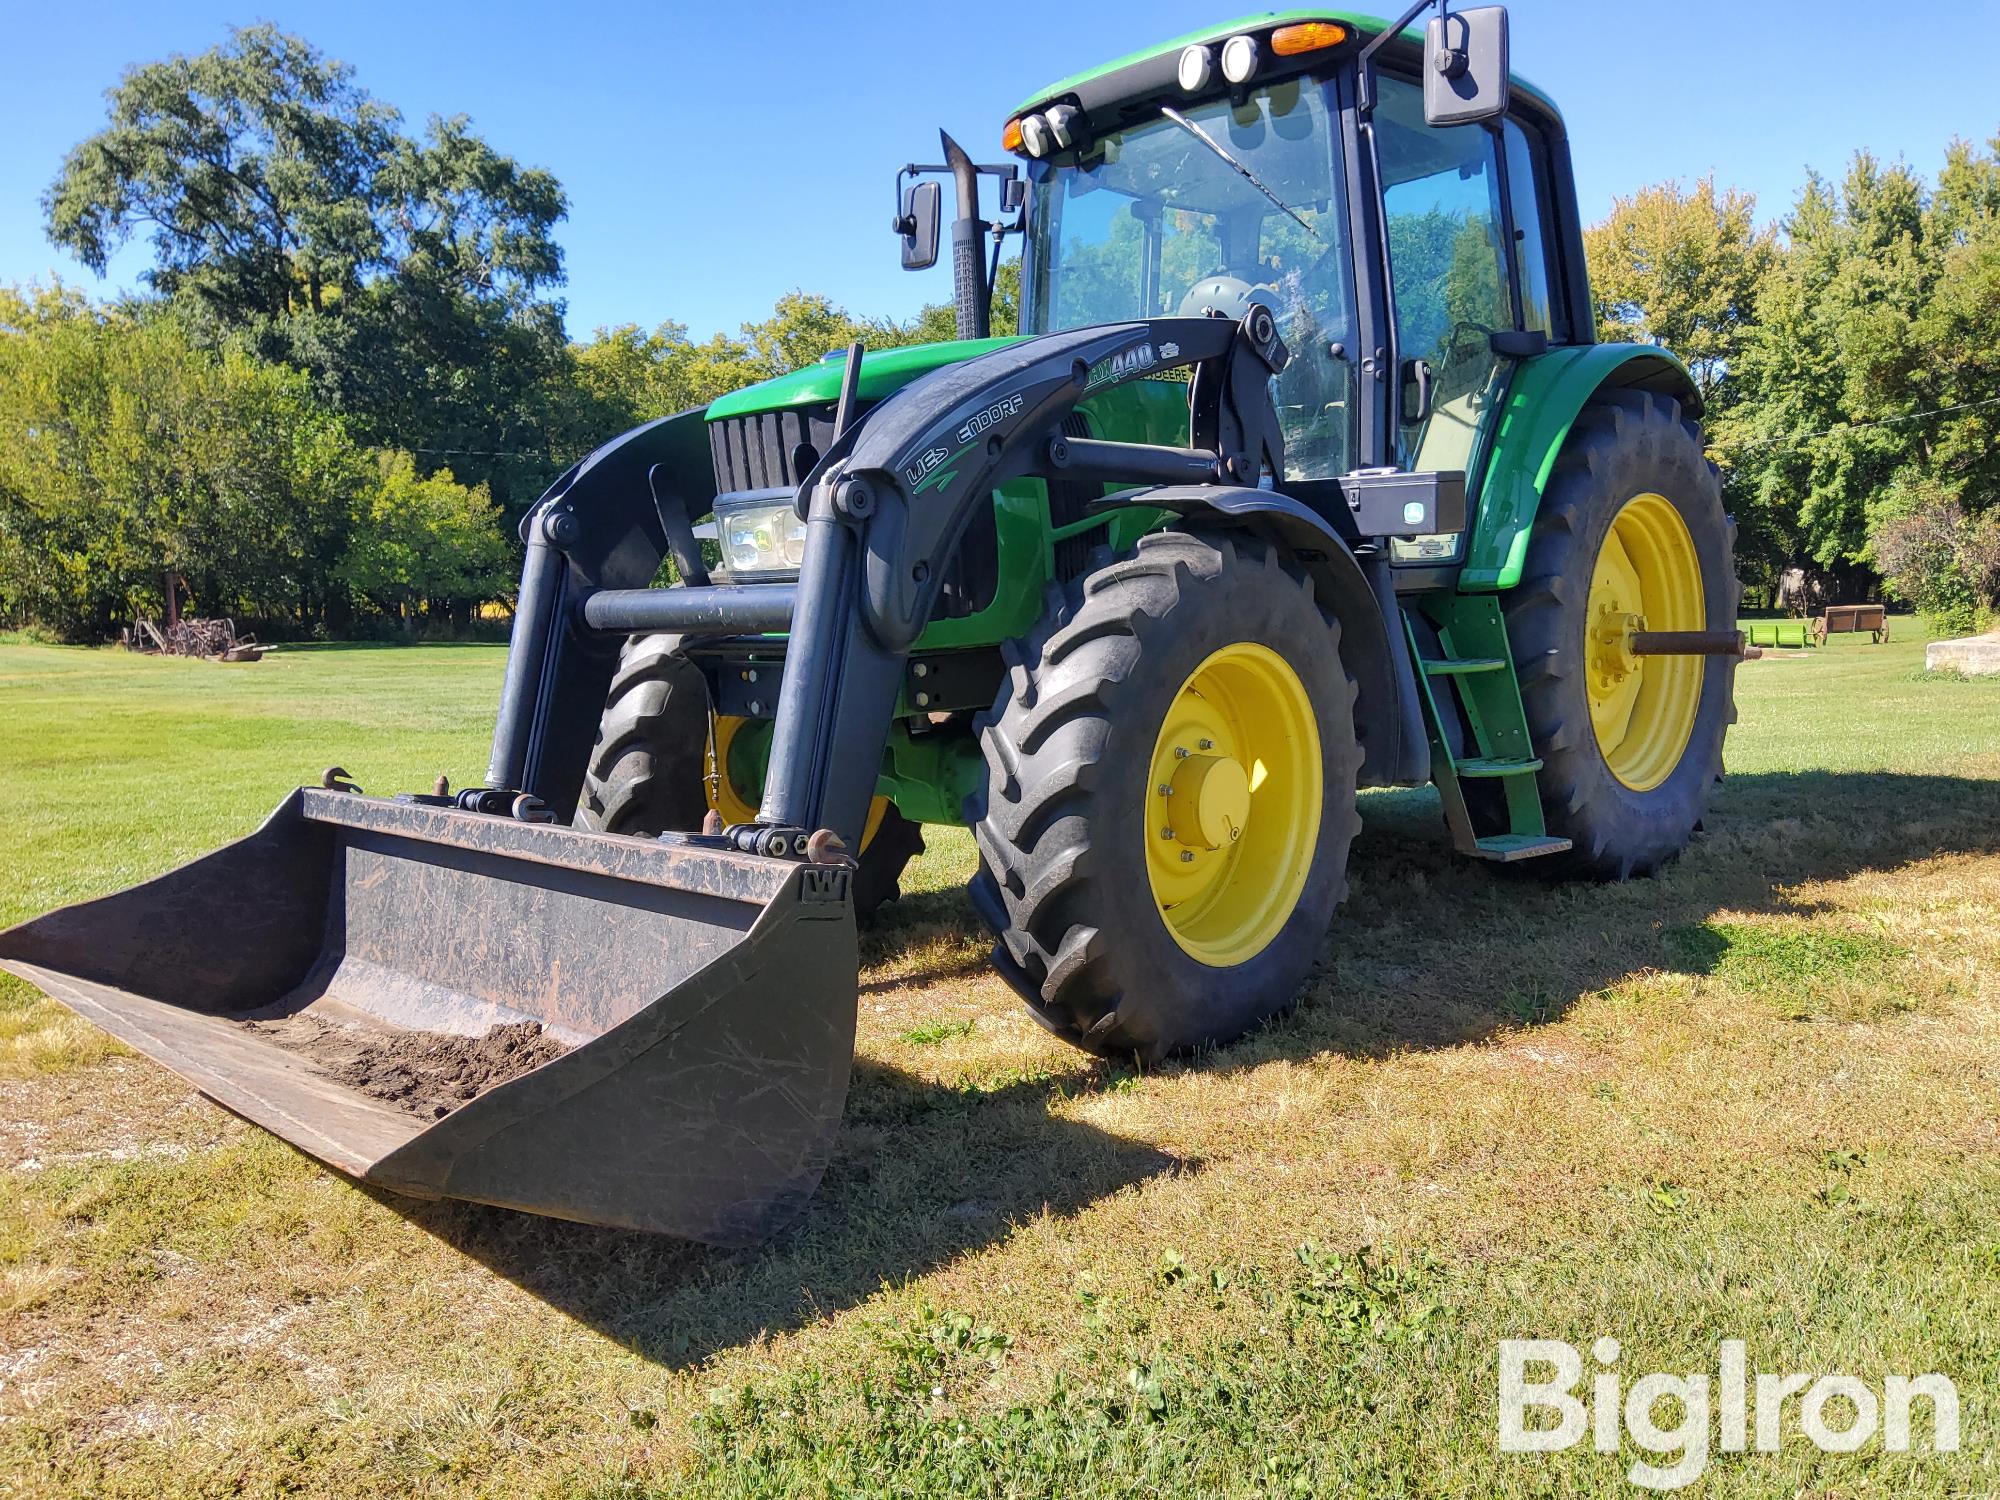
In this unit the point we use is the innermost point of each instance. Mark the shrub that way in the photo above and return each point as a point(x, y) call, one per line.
point(1935, 555)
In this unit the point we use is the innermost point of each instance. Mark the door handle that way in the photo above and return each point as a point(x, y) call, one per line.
point(1416, 392)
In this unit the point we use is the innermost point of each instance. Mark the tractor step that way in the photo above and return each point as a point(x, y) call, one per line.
point(1464, 666)
point(1507, 848)
point(1496, 766)
point(1478, 729)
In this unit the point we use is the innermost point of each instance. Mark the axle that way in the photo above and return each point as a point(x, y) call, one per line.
point(1688, 643)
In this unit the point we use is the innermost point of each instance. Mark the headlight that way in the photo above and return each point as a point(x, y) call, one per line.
point(761, 540)
point(1239, 58)
point(1196, 67)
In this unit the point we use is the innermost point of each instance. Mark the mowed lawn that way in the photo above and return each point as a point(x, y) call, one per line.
point(1756, 1098)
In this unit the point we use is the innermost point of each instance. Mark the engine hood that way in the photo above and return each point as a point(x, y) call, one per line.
point(819, 384)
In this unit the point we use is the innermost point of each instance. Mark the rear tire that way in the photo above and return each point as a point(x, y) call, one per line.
point(1066, 825)
point(646, 772)
point(1625, 446)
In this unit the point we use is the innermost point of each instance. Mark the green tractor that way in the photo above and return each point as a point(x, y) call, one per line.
point(1304, 474)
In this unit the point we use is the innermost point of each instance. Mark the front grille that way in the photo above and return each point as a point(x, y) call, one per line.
point(756, 452)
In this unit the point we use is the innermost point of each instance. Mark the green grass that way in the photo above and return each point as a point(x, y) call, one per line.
point(941, 1031)
point(1752, 1098)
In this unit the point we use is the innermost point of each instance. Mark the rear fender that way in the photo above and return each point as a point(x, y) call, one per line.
point(1544, 399)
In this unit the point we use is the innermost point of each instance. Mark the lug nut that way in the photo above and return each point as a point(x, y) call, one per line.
point(1179, 753)
point(1187, 856)
point(1208, 744)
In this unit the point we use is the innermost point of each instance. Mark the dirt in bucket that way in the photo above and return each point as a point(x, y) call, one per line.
point(428, 1073)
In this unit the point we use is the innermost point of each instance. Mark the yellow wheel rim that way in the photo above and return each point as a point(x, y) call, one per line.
point(1647, 577)
point(1233, 805)
point(727, 797)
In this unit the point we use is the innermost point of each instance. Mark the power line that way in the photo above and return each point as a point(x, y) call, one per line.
point(486, 453)
point(1790, 444)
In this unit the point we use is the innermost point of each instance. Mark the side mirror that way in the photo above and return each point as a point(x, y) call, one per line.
point(1465, 67)
point(918, 225)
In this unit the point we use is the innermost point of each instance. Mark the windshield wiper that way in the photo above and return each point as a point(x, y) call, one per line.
point(1248, 176)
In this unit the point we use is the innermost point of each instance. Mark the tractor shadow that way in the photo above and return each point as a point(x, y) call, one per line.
point(1431, 951)
point(921, 1175)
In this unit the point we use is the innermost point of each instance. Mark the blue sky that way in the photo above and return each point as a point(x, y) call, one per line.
point(719, 155)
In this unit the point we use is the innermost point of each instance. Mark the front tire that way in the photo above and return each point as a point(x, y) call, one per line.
point(649, 771)
point(1170, 797)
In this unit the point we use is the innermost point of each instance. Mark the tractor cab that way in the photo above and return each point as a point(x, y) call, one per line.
point(1399, 202)
point(1208, 210)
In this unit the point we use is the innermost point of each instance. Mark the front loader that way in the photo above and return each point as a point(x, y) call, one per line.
point(1304, 475)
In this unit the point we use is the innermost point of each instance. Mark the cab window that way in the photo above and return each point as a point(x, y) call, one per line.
point(1442, 210)
point(1528, 197)
point(1152, 221)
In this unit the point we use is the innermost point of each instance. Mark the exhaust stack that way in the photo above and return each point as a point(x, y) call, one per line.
point(971, 297)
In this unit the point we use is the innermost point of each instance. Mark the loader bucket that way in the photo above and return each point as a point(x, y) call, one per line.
point(594, 1027)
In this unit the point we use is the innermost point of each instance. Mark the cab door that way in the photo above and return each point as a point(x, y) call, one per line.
point(1464, 237)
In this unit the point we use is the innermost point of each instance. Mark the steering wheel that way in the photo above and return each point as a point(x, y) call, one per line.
point(1448, 345)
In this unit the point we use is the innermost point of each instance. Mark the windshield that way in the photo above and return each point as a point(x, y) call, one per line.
point(1213, 206)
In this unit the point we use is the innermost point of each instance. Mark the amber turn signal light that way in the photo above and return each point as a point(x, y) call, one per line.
point(1307, 36)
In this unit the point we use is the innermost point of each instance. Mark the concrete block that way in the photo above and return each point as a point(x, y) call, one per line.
point(1977, 656)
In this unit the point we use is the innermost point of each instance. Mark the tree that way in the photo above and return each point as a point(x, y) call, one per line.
point(421, 539)
point(290, 215)
point(128, 453)
point(1681, 269)
point(252, 166)
point(1935, 555)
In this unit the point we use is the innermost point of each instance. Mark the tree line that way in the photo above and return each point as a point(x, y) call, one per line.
point(1849, 357)
point(348, 374)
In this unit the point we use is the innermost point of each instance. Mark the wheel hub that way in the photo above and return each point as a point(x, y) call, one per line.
point(1611, 658)
point(1211, 801)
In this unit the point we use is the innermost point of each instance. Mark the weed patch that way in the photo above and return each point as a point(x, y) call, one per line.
point(939, 1032)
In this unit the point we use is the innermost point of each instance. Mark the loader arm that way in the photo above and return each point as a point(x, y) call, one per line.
point(884, 517)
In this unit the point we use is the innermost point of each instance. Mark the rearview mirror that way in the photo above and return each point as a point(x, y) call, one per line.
point(1465, 67)
point(918, 225)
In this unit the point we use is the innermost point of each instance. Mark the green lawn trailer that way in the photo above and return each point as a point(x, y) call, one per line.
point(1305, 475)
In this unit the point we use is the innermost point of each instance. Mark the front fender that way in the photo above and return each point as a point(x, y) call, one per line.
point(1543, 401)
